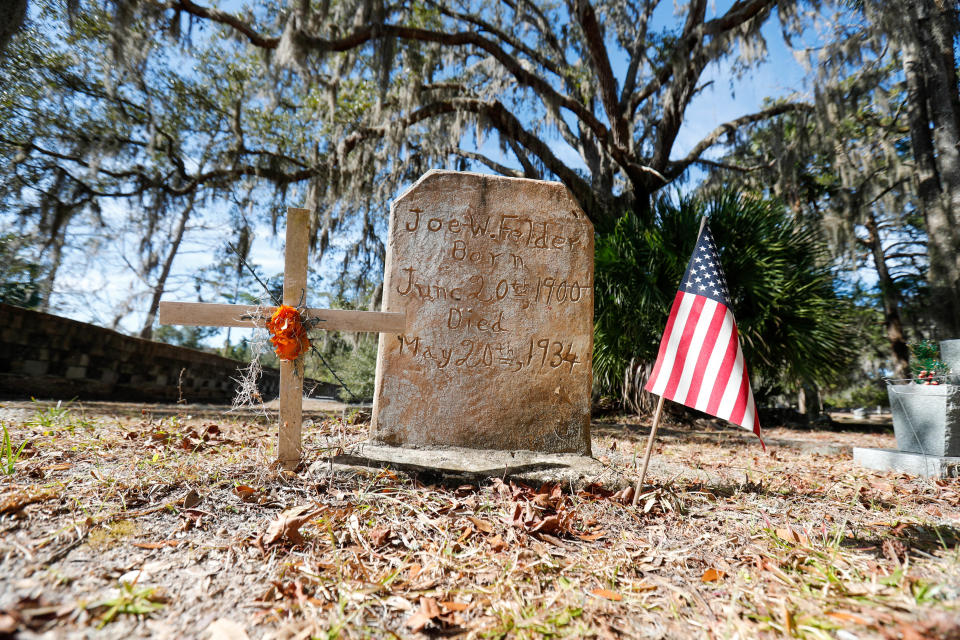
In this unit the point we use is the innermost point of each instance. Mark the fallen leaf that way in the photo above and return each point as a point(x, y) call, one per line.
point(591, 537)
point(223, 629)
point(157, 545)
point(624, 496)
point(287, 525)
point(481, 525)
point(16, 502)
point(379, 536)
point(429, 609)
point(497, 543)
point(418, 621)
point(455, 606)
point(846, 616)
point(555, 541)
point(191, 500)
point(712, 575)
point(550, 524)
point(8, 623)
point(606, 593)
point(790, 535)
point(247, 494)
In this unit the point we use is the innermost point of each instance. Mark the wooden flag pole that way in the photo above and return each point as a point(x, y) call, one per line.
point(656, 417)
point(646, 456)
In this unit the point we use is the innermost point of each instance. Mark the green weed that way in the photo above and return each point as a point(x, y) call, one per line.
point(130, 600)
point(9, 455)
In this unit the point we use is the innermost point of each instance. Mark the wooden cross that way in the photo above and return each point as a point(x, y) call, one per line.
point(294, 292)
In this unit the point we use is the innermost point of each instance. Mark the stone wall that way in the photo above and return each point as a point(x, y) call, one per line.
point(49, 357)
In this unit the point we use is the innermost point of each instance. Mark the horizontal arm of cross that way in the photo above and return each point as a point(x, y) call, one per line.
point(241, 315)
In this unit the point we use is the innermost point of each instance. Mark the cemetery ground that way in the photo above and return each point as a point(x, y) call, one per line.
point(141, 521)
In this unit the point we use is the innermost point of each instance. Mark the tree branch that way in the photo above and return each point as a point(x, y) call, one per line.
point(493, 164)
point(216, 15)
point(675, 168)
point(737, 15)
point(529, 170)
point(534, 55)
point(733, 167)
point(370, 32)
point(600, 59)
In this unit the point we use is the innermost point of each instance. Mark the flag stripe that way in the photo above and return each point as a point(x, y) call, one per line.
point(663, 342)
point(686, 339)
point(689, 395)
point(725, 407)
point(750, 417)
point(676, 332)
point(722, 376)
point(740, 406)
point(714, 365)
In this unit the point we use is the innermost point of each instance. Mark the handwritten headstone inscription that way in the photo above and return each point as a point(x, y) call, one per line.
point(496, 278)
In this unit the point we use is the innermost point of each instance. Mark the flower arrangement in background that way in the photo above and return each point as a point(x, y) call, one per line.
point(926, 364)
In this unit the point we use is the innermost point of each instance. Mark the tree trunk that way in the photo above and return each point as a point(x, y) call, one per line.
point(938, 32)
point(147, 331)
point(891, 301)
point(808, 402)
point(944, 273)
point(12, 15)
point(56, 257)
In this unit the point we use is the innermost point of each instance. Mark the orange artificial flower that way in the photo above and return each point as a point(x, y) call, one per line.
point(289, 337)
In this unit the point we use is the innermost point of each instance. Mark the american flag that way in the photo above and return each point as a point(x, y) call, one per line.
point(700, 363)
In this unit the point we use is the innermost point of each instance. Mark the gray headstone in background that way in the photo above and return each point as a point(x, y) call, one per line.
point(926, 418)
point(950, 355)
point(913, 463)
point(926, 422)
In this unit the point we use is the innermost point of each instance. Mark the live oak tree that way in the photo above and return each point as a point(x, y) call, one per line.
point(875, 165)
point(881, 153)
point(927, 31)
point(844, 174)
point(153, 137)
point(184, 105)
point(526, 73)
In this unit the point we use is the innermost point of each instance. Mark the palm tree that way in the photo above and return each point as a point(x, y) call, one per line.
point(794, 327)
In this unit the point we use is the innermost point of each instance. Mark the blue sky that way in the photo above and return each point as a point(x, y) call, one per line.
point(98, 285)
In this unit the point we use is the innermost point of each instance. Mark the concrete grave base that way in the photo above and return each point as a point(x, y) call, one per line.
point(907, 462)
point(461, 465)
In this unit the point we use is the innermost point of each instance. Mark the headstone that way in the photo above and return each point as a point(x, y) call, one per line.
point(926, 423)
point(926, 418)
point(495, 275)
point(905, 462)
point(950, 355)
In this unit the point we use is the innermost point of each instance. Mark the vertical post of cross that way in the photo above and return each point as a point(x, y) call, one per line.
point(291, 372)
